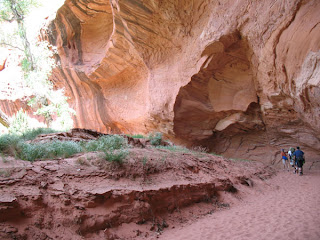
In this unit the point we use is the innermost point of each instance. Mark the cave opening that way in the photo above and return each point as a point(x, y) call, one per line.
point(221, 99)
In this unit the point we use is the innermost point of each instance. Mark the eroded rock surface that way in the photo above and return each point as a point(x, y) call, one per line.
point(240, 77)
point(86, 197)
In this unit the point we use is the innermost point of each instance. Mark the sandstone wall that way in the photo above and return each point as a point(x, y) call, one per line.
point(240, 77)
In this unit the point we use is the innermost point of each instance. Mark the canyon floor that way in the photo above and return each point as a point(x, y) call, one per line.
point(156, 193)
point(288, 208)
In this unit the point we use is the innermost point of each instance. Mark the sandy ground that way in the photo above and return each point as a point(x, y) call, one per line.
point(289, 208)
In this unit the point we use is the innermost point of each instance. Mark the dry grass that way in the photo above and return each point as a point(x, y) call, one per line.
point(5, 173)
point(83, 161)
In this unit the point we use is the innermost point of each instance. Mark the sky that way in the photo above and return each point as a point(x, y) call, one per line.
point(37, 17)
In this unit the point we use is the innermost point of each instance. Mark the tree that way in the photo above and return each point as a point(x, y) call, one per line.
point(37, 63)
point(16, 10)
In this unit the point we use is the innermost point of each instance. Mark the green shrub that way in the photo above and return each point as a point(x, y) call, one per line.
point(155, 139)
point(33, 133)
point(136, 136)
point(116, 156)
point(8, 143)
point(111, 145)
point(62, 149)
point(31, 152)
point(215, 154)
point(17, 145)
point(91, 146)
point(108, 142)
point(175, 148)
point(4, 159)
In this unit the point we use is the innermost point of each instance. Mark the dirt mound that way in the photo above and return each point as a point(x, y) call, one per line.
point(88, 197)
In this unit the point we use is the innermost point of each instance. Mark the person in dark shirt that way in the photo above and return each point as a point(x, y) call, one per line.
point(299, 158)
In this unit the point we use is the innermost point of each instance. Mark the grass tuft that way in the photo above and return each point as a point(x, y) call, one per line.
point(136, 136)
point(82, 161)
point(32, 134)
point(49, 150)
point(8, 143)
point(109, 142)
point(112, 145)
point(116, 156)
point(155, 139)
point(175, 148)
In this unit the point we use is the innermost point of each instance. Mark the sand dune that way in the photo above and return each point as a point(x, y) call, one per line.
point(288, 209)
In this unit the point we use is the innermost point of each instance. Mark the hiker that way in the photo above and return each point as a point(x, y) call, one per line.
point(284, 159)
point(299, 159)
point(291, 158)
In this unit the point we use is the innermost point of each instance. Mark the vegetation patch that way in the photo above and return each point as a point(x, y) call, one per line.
point(20, 146)
point(49, 150)
point(9, 142)
point(113, 147)
point(136, 136)
point(32, 134)
point(175, 148)
point(155, 139)
point(116, 156)
point(109, 142)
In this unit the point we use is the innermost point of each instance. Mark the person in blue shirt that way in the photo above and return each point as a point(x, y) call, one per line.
point(299, 158)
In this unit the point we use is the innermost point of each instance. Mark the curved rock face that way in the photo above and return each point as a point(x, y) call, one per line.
point(221, 94)
point(241, 78)
point(101, 71)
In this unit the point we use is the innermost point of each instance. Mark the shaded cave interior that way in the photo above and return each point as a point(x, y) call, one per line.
point(220, 101)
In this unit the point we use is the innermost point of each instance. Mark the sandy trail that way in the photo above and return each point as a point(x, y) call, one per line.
point(288, 209)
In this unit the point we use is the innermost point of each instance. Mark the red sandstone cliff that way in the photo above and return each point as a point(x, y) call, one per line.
point(241, 77)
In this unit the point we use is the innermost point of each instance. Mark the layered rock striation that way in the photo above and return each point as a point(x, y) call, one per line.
point(87, 197)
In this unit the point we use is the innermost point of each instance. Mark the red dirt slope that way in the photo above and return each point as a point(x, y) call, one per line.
point(87, 197)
